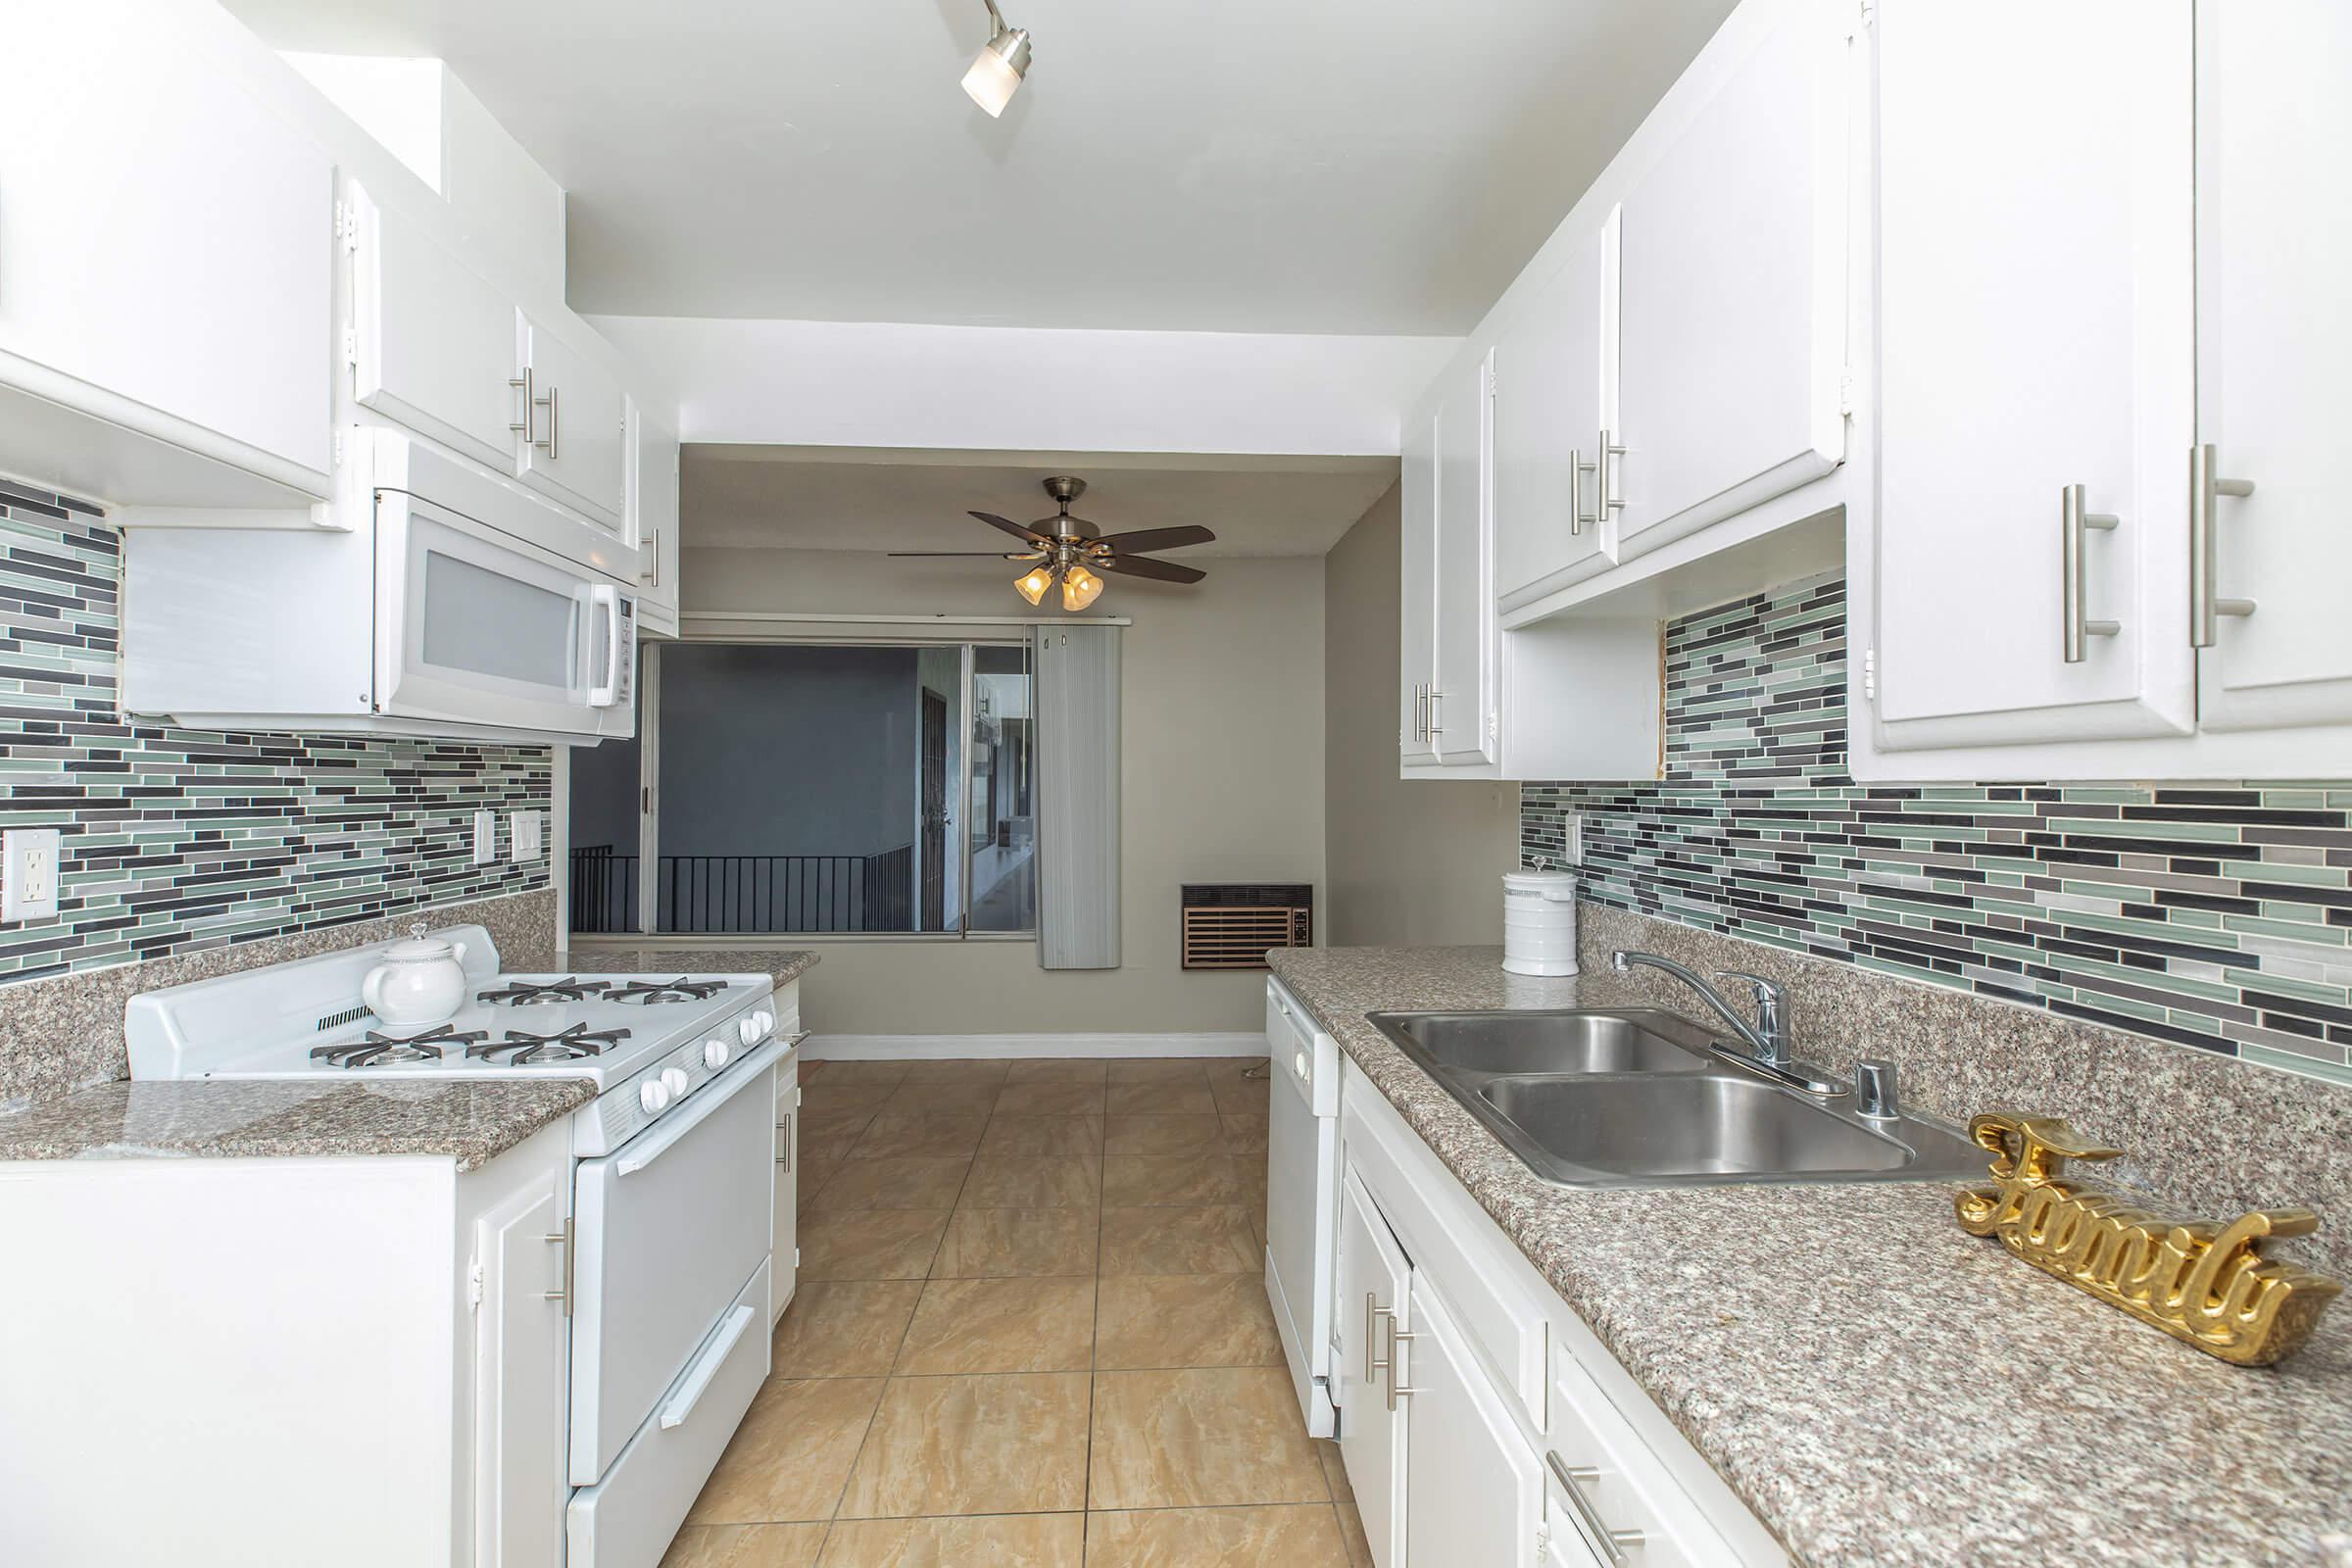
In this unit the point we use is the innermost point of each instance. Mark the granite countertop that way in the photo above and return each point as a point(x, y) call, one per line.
point(471, 1123)
point(782, 965)
point(1878, 1386)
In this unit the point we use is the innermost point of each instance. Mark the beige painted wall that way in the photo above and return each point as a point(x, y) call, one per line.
point(1412, 862)
point(1222, 780)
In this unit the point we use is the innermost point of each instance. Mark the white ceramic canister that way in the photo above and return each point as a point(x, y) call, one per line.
point(422, 980)
point(1539, 923)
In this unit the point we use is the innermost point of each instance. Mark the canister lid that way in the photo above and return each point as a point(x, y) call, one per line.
point(1559, 885)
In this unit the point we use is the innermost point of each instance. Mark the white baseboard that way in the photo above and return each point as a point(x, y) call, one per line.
point(930, 1047)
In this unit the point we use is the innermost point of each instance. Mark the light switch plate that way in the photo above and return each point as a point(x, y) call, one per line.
point(523, 832)
point(485, 837)
point(28, 873)
point(1573, 838)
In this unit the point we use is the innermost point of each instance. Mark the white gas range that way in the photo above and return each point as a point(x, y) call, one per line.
point(669, 1266)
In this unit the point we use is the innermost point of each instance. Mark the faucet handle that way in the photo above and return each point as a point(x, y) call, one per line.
point(1769, 993)
point(1874, 1089)
point(1772, 1012)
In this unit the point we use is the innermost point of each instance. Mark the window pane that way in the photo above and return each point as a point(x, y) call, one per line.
point(1002, 811)
point(603, 833)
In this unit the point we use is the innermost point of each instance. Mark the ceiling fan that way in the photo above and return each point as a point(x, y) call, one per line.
point(1069, 550)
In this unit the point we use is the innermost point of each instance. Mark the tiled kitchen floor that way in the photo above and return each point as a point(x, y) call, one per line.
point(1031, 1332)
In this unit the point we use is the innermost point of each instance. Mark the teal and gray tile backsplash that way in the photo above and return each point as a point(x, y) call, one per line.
point(2217, 915)
point(175, 839)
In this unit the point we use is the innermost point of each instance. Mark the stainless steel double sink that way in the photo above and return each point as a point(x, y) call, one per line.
point(1624, 1098)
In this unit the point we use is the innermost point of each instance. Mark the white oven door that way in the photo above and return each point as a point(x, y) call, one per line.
point(668, 1228)
point(479, 629)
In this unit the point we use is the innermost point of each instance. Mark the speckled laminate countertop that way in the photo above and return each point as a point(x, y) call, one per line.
point(471, 1123)
point(1880, 1388)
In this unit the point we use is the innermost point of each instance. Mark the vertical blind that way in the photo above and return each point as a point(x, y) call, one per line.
point(1077, 694)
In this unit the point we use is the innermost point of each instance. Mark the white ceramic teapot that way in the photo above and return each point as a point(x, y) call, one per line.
point(422, 980)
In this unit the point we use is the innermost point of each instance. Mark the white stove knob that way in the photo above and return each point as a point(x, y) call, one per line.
point(716, 1053)
point(653, 1095)
point(767, 1020)
point(674, 1078)
point(748, 1026)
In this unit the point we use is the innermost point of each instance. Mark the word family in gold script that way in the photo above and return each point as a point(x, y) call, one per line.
point(2197, 1280)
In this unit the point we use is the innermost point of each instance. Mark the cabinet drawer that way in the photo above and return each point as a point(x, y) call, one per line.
point(1619, 1481)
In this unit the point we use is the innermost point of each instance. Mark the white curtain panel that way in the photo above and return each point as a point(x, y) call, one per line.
point(1077, 673)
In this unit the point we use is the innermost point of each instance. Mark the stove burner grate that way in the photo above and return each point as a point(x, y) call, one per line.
point(379, 1048)
point(647, 993)
point(520, 993)
point(528, 1050)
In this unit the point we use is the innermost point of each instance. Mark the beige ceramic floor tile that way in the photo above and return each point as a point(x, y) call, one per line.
point(974, 1444)
point(1043, 1135)
point(1158, 1070)
point(1283, 1536)
point(1161, 1098)
point(844, 1328)
point(940, 1096)
point(1351, 1533)
point(930, 1182)
point(968, 1070)
point(1213, 1239)
point(1334, 1470)
point(869, 1244)
point(810, 1180)
point(1057, 1070)
point(1006, 1242)
point(1236, 1094)
point(1245, 1134)
point(890, 1073)
point(745, 1546)
point(830, 1098)
point(1013, 1325)
point(1204, 1438)
point(1033, 1181)
point(1171, 1180)
point(1177, 1320)
point(979, 1541)
point(1053, 1099)
point(1162, 1135)
point(926, 1135)
point(791, 1454)
point(830, 1137)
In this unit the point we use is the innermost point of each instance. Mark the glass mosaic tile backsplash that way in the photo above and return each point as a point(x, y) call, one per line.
point(176, 838)
point(2217, 915)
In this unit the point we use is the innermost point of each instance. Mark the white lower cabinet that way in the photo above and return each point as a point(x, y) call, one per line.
point(1374, 1289)
point(784, 1272)
point(1473, 1488)
point(521, 1248)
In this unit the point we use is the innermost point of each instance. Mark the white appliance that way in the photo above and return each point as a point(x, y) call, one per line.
point(1303, 1173)
point(670, 1266)
point(466, 606)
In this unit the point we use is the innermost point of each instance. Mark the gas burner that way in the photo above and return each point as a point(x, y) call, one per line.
point(521, 993)
point(381, 1048)
point(648, 992)
point(529, 1050)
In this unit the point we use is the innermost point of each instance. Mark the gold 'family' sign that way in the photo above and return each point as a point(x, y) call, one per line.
point(2196, 1279)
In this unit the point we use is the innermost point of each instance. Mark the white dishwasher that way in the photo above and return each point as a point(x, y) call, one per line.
point(1303, 1176)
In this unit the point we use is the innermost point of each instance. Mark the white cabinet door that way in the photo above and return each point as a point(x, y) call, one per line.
point(433, 344)
point(1462, 721)
point(1474, 1489)
point(1418, 494)
point(654, 511)
point(1374, 1290)
point(1734, 297)
point(2274, 324)
point(164, 239)
point(2035, 332)
point(1555, 373)
point(520, 1246)
point(577, 447)
point(784, 1271)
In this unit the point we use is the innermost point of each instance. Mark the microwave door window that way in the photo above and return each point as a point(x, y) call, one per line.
point(479, 622)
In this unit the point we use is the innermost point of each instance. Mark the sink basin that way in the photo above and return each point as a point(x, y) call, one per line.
point(1609, 1098)
point(1483, 1043)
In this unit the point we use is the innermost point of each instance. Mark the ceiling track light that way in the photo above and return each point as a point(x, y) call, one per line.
point(997, 69)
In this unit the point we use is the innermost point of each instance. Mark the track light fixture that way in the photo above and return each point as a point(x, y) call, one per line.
point(997, 69)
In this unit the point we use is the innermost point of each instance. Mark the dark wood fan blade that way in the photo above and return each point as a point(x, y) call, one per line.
point(1146, 566)
point(1015, 529)
point(975, 554)
point(1158, 539)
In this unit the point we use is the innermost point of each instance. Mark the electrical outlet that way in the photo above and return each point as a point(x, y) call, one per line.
point(485, 837)
point(522, 834)
point(28, 873)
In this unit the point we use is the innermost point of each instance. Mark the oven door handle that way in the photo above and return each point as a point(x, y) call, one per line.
point(679, 1405)
point(665, 1136)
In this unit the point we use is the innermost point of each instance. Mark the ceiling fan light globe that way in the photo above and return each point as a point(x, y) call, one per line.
point(996, 70)
point(1032, 585)
point(1079, 589)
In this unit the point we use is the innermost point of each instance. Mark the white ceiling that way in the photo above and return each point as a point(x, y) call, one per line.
point(841, 497)
point(1288, 166)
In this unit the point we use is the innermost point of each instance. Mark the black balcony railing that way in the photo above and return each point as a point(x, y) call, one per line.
point(695, 894)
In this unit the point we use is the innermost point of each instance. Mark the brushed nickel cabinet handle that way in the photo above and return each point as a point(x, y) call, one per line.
point(784, 1143)
point(1396, 1336)
point(1613, 1545)
point(2204, 555)
point(522, 384)
point(549, 404)
point(1373, 1313)
point(1611, 475)
point(2072, 589)
point(1430, 726)
point(1577, 516)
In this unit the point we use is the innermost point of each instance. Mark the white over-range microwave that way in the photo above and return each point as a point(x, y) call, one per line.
point(463, 607)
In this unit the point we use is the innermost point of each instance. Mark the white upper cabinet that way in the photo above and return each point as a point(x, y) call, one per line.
point(1555, 390)
point(2036, 333)
point(432, 343)
point(2274, 322)
point(574, 448)
point(654, 518)
point(1733, 298)
point(1462, 721)
point(166, 268)
point(1418, 497)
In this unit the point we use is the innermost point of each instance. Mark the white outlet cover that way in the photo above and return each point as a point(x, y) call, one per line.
point(485, 837)
point(29, 876)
